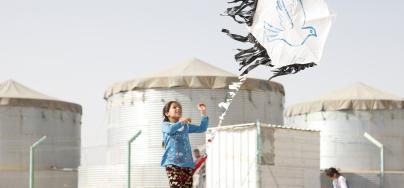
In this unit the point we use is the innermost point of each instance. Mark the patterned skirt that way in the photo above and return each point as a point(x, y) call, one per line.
point(179, 177)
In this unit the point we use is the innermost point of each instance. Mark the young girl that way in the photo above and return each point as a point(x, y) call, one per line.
point(177, 158)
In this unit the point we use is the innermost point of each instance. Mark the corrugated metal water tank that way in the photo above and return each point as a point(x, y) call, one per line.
point(26, 116)
point(261, 155)
point(137, 105)
point(343, 116)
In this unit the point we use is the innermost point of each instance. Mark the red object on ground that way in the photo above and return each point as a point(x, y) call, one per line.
point(199, 163)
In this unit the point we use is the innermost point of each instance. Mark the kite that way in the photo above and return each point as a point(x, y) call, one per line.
point(287, 36)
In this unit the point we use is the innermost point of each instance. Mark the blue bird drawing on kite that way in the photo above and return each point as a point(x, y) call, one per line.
point(293, 29)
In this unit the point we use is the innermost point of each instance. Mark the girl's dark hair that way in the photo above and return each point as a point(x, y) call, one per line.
point(167, 108)
point(331, 171)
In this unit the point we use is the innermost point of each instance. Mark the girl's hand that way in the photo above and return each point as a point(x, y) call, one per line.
point(185, 120)
point(202, 109)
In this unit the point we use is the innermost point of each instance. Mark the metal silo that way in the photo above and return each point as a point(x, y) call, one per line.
point(137, 105)
point(26, 116)
point(343, 117)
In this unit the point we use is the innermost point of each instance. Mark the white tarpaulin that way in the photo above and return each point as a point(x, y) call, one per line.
point(193, 73)
point(358, 96)
point(15, 94)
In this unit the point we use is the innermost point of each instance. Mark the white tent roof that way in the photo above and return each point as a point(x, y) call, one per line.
point(192, 74)
point(13, 93)
point(192, 67)
point(355, 97)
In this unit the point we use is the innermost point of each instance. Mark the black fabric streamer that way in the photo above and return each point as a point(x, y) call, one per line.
point(251, 57)
point(256, 55)
point(291, 69)
point(243, 12)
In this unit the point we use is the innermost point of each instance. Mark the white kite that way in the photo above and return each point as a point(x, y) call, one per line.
point(288, 35)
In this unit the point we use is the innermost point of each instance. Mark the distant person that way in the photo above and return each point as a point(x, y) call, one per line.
point(338, 181)
point(199, 171)
point(177, 157)
point(197, 154)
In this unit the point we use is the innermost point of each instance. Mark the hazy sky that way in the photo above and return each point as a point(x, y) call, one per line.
point(75, 49)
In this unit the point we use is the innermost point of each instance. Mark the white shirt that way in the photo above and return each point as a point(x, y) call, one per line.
point(340, 182)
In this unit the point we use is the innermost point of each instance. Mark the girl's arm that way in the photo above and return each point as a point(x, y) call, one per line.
point(172, 128)
point(201, 128)
point(204, 121)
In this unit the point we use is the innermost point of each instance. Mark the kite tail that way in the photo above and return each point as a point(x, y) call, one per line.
point(243, 12)
point(250, 58)
point(291, 69)
point(234, 87)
